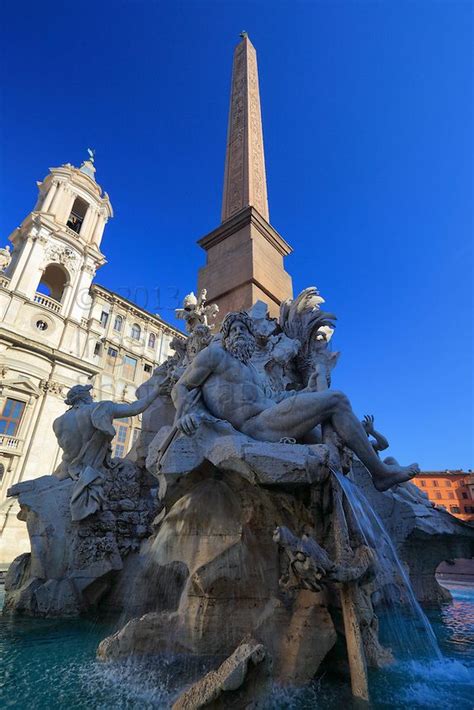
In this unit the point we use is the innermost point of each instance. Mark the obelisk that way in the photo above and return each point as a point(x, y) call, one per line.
point(245, 253)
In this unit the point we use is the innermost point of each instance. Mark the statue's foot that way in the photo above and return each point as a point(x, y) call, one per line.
point(395, 474)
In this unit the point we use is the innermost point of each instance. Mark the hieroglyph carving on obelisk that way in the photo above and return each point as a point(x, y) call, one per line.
point(244, 180)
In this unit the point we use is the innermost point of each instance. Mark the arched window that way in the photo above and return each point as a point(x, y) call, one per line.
point(136, 331)
point(118, 323)
point(151, 340)
point(53, 282)
point(78, 212)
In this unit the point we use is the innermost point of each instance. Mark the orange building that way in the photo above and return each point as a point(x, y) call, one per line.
point(452, 490)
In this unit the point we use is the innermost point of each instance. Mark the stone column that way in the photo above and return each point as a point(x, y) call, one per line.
point(78, 308)
point(31, 267)
point(50, 196)
point(88, 223)
point(57, 197)
point(66, 206)
point(20, 264)
point(65, 301)
point(98, 231)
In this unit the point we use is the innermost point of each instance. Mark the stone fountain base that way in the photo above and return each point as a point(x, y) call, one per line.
point(219, 530)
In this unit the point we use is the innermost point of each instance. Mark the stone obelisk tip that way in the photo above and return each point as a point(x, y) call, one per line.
point(245, 182)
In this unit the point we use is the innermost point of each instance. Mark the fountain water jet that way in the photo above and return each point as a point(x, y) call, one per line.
point(419, 637)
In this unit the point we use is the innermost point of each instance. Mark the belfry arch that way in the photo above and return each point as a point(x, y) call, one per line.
point(53, 282)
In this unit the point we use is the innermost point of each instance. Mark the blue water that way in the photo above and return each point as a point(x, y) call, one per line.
point(46, 664)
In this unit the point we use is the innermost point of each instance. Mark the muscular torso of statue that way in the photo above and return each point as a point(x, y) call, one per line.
point(233, 391)
point(73, 429)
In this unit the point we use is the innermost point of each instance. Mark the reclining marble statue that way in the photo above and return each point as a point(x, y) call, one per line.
point(231, 389)
point(84, 433)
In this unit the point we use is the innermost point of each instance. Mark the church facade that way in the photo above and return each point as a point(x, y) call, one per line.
point(58, 329)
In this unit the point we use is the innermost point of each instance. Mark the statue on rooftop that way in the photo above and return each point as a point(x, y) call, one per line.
point(231, 389)
point(84, 433)
point(5, 258)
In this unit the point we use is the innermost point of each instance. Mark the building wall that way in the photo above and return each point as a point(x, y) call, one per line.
point(451, 490)
point(48, 344)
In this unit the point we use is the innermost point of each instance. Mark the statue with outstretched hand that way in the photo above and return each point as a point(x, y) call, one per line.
point(84, 433)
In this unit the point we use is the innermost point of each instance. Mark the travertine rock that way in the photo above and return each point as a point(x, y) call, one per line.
point(219, 530)
point(259, 462)
point(238, 682)
point(72, 564)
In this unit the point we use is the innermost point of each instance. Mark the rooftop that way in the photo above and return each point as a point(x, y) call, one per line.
point(446, 472)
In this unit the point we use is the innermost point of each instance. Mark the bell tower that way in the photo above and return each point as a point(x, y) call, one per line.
point(57, 246)
point(245, 253)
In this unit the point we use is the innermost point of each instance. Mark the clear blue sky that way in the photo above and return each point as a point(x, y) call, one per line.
point(367, 110)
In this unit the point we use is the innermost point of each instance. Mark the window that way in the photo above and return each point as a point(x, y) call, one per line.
point(148, 368)
point(451, 495)
point(468, 509)
point(111, 359)
point(423, 483)
point(97, 348)
point(151, 340)
point(454, 509)
point(435, 484)
point(118, 323)
point(122, 436)
point(438, 495)
point(104, 317)
point(78, 212)
point(11, 417)
point(129, 367)
point(136, 331)
point(464, 494)
point(447, 484)
point(53, 282)
point(41, 325)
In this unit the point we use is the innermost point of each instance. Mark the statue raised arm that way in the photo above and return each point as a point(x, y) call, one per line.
point(84, 433)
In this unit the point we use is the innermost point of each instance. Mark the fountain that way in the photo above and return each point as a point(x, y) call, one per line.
point(235, 531)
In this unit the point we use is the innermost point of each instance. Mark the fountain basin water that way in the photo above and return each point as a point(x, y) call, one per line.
point(49, 663)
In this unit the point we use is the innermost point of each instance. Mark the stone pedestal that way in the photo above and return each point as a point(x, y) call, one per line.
point(245, 264)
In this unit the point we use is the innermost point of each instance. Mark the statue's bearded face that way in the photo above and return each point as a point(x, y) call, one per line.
point(240, 342)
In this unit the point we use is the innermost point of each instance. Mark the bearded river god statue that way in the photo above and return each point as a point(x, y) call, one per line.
point(232, 390)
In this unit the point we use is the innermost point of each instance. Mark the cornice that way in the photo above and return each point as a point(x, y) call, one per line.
point(133, 309)
point(253, 282)
point(247, 216)
point(51, 354)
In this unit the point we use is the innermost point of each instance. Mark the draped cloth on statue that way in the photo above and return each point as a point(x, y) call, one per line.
point(87, 494)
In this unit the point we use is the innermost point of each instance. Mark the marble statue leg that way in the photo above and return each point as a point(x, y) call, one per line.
point(297, 415)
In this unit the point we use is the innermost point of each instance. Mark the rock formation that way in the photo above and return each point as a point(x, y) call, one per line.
point(223, 688)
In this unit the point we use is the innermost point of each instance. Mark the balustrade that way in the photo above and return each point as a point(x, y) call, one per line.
point(47, 302)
